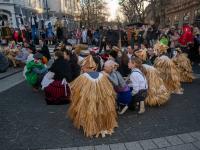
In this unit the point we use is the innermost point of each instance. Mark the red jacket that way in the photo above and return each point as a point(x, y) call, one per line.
point(187, 36)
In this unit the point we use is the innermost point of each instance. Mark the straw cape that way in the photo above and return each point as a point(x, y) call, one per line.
point(169, 73)
point(184, 67)
point(92, 109)
point(160, 49)
point(79, 47)
point(157, 92)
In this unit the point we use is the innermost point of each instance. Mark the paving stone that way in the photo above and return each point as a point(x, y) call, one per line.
point(54, 149)
point(161, 142)
point(196, 135)
point(102, 147)
point(174, 140)
point(86, 148)
point(197, 144)
point(73, 148)
point(119, 146)
point(182, 147)
point(133, 146)
point(187, 138)
point(148, 144)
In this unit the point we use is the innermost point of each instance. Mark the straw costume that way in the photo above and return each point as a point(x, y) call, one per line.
point(93, 102)
point(167, 69)
point(157, 93)
point(79, 47)
point(184, 66)
point(142, 54)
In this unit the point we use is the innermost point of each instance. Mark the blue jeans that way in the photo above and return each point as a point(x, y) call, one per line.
point(34, 32)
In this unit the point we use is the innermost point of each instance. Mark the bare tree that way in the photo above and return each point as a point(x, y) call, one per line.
point(158, 8)
point(133, 10)
point(92, 12)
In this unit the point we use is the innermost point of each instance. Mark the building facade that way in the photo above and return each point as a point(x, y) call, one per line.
point(176, 12)
point(68, 8)
point(179, 12)
point(12, 10)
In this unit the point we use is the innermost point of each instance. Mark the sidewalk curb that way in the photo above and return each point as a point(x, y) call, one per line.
point(183, 141)
point(13, 85)
point(11, 74)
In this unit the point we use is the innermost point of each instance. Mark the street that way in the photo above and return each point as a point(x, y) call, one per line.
point(28, 123)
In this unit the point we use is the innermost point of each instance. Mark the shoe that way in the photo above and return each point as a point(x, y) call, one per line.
point(124, 109)
point(142, 108)
point(35, 90)
point(179, 92)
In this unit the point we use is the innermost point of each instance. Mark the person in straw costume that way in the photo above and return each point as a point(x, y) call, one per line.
point(167, 70)
point(184, 66)
point(157, 94)
point(93, 102)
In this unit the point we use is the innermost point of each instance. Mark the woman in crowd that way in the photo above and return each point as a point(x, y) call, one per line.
point(58, 91)
point(49, 33)
point(123, 91)
point(22, 56)
point(123, 65)
point(92, 109)
point(44, 50)
point(73, 61)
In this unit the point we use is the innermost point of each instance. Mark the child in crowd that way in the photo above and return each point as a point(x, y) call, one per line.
point(139, 85)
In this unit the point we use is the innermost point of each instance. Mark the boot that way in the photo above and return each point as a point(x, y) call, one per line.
point(123, 110)
point(142, 108)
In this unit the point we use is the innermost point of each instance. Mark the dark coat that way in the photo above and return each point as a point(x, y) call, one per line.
point(4, 63)
point(62, 69)
point(45, 52)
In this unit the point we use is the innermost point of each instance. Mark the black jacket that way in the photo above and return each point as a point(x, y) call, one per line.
point(62, 69)
point(45, 52)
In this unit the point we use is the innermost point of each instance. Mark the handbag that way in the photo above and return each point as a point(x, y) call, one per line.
point(120, 87)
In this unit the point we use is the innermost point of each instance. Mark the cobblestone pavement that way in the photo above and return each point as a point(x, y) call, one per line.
point(186, 141)
point(26, 122)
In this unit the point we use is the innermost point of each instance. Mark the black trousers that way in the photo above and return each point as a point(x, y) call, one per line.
point(140, 96)
point(102, 46)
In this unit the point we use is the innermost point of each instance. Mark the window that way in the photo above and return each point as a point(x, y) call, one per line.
point(186, 16)
point(197, 12)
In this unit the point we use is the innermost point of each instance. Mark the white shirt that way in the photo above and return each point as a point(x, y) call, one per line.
point(129, 56)
point(138, 81)
point(84, 36)
point(30, 58)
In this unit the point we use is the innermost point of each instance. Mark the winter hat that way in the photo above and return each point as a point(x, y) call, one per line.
point(113, 53)
point(38, 56)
